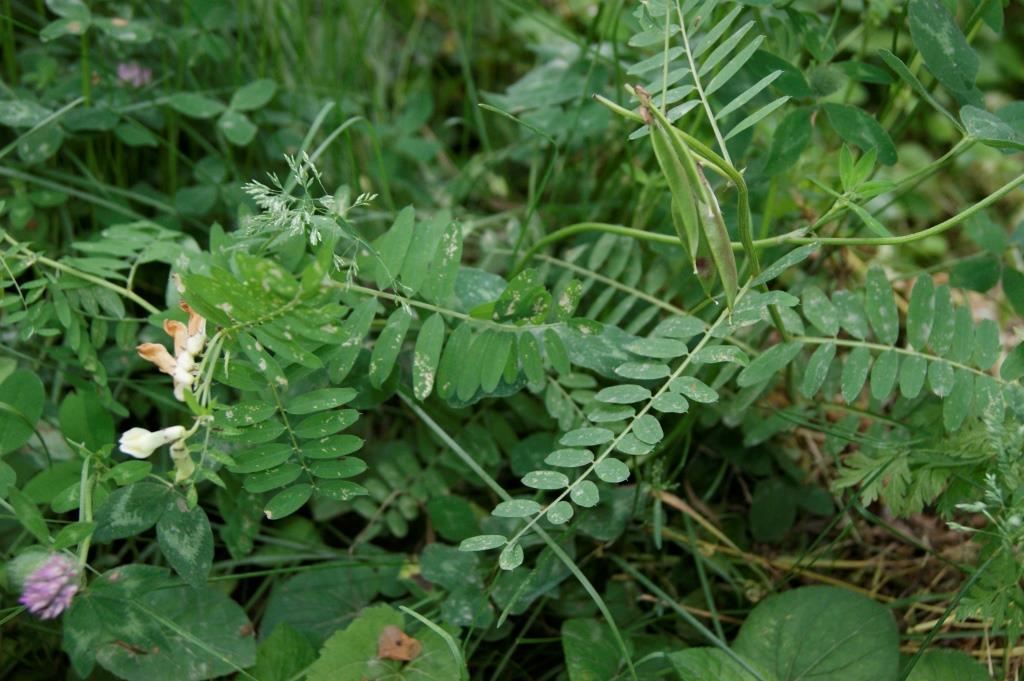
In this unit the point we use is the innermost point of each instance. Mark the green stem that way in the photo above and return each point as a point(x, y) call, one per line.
point(86, 70)
point(639, 234)
point(916, 236)
point(84, 510)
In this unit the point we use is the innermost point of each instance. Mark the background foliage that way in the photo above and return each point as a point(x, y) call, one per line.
point(545, 340)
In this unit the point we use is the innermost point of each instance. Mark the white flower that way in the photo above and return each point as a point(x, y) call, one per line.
point(141, 443)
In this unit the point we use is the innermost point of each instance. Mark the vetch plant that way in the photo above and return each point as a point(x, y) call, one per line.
point(515, 340)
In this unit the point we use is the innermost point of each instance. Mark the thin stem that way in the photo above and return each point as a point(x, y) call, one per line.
point(698, 85)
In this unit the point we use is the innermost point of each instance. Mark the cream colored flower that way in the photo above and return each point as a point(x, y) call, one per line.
point(158, 355)
point(141, 443)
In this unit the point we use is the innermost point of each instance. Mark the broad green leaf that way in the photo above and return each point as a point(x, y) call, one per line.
point(694, 389)
point(987, 344)
point(340, 490)
point(881, 307)
point(440, 284)
point(470, 365)
point(671, 403)
point(585, 494)
point(855, 372)
point(188, 634)
point(556, 352)
point(21, 405)
point(852, 317)
point(820, 311)
point(643, 371)
point(73, 535)
point(940, 378)
point(393, 247)
point(710, 664)
point(921, 312)
point(352, 653)
point(963, 336)
point(287, 501)
point(586, 437)
point(517, 508)
point(860, 129)
point(569, 458)
point(623, 394)
point(84, 420)
point(131, 510)
point(320, 400)
point(482, 542)
point(426, 355)
point(496, 356)
point(913, 372)
point(632, 445)
point(990, 129)
point(130, 471)
point(944, 321)
point(947, 665)
point(355, 328)
point(609, 413)
point(765, 366)
point(319, 602)
point(720, 354)
point(264, 481)
point(658, 348)
point(545, 480)
point(789, 140)
point(260, 457)
point(611, 470)
point(28, 514)
point(282, 655)
point(591, 651)
point(787, 636)
point(681, 327)
point(883, 374)
point(559, 513)
point(945, 50)
point(325, 423)
point(237, 127)
point(511, 556)
point(195, 105)
point(817, 369)
point(452, 358)
point(648, 430)
point(791, 259)
point(346, 467)
point(530, 359)
point(426, 237)
point(957, 406)
point(1013, 287)
point(254, 95)
point(332, 447)
point(388, 345)
point(186, 540)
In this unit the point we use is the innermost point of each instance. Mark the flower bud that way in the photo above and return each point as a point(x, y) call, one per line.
point(49, 589)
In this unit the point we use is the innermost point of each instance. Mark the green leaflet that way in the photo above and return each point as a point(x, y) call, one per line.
point(921, 312)
point(388, 345)
point(817, 369)
point(764, 367)
point(427, 355)
point(855, 372)
point(881, 307)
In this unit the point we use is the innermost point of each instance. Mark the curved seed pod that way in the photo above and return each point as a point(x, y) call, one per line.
point(695, 208)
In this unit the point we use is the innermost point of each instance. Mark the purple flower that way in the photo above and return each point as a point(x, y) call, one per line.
point(49, 588)
point(133, 74)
